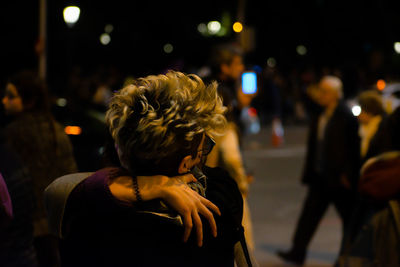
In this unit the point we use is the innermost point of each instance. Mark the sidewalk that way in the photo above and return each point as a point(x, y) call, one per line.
point(276, 198)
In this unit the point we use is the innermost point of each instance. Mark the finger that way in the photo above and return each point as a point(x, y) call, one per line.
point(210, 205)
point(199, 228)
point(210, 218)
point(188, 225)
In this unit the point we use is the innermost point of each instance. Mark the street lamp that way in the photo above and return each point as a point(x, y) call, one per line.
point(71, 15)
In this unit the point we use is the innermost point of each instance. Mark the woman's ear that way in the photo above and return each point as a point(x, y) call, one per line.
point(185, 165)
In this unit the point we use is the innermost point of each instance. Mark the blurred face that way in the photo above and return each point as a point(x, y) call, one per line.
point(233, 70)
point(12, 101)
point(364, 117)
point(327, 96)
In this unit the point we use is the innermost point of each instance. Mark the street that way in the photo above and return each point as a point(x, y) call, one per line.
point(276, 197)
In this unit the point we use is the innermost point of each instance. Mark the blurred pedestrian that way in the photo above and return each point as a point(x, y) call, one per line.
point(16, 236)
point(227, 155)
point(227, 68)
point(161, 125)
point(374, 132)
point(394, 129)
point(373, 125)
point(42, 146)
point(376, 241)
point(331, 167)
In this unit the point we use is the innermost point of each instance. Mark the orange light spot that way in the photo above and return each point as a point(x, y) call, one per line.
point(73, 130)
point(380, 84)
point(237, 27)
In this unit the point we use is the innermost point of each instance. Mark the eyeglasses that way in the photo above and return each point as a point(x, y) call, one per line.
point(208, 145)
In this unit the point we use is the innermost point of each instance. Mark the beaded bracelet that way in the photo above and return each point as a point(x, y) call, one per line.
point(136, 187)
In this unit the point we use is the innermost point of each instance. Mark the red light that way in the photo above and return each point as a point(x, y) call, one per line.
point(252, 112)
point(380, 84)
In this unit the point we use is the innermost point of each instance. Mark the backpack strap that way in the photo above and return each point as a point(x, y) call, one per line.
point(395, 210)
point(244, 248)
point(56, 196)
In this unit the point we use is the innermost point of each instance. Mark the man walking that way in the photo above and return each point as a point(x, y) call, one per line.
point(331, 166)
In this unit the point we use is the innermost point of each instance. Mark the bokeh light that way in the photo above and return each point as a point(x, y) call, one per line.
point(214, 27)
point(71, 15)
point(356, 110)
point(168, 48)
point(380, 84)
point(301, 50)
point(237, 27)
point(105, 39)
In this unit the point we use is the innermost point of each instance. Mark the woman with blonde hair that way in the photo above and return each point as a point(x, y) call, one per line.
point(162, 126)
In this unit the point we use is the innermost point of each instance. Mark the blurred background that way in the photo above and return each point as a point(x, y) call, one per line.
point(86, 52)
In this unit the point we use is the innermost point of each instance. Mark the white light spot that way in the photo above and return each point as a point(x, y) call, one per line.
point(62, 102)
point(202, 28)
point(397, 47)
point(214, 27)
point(168, 48)
point(105, 39)
point(301, 50)
point(356, 110)
point(71, 14)
point(108, 28)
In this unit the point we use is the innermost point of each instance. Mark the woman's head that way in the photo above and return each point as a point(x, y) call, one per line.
point(159, 121)
point(25, 91)
point(371, 106)
point(227, 62)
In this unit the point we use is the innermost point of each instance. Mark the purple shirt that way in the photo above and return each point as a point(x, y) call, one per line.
point(5, 202)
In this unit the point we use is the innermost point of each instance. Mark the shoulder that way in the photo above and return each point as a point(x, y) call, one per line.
point(344, 116)
point(223, 191)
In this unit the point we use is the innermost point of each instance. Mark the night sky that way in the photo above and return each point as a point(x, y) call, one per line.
point(335, 32)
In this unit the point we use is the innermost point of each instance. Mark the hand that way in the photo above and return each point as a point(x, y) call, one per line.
point(189, 204)
point(176, 193)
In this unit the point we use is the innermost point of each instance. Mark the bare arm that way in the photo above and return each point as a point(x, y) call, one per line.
point(176, 193)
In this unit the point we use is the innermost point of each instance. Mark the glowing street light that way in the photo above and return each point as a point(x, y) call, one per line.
point(214, 27)
point(237, 27)
point(71, 15)
point(105, 39)
point(396, 47)
point(168, 48)
point(301, 50)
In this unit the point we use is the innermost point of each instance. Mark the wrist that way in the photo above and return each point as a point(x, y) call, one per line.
point(135, 186)
point(150, 187)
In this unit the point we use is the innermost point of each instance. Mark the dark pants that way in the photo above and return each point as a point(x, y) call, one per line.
point(315, 205)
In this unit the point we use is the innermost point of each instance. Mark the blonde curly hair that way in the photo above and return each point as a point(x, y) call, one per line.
point(158, 120)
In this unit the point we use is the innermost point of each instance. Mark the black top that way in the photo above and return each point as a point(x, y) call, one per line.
point(339, 150)
point(16, 238)
point(103, 231)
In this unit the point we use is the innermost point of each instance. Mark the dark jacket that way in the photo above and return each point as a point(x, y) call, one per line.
point(16, 239)
point(340, 153)
point(378, 242)
point(103, 231)
point(394, 129)
point(380, 142)
point(44, 149)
